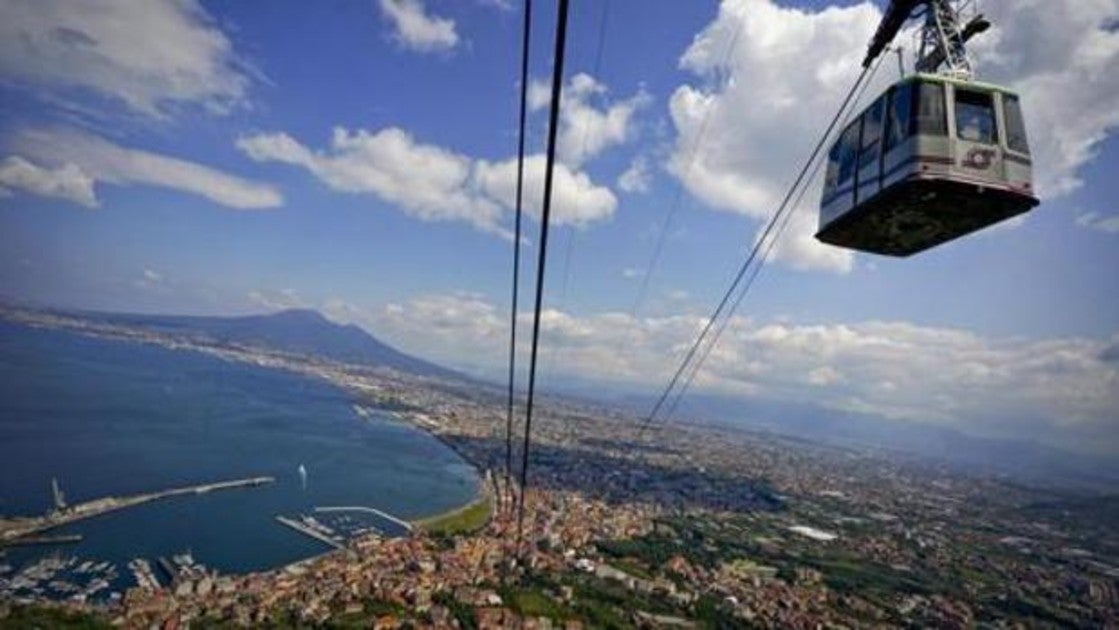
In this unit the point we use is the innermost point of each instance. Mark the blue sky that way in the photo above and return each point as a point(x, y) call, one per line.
point(355, 157)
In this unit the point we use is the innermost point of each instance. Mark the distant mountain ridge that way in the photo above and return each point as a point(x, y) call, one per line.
point(299, 331)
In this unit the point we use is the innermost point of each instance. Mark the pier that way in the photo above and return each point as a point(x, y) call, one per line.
point(310, 531)
point(46, 540)
point(368, 510)
point(13, 529)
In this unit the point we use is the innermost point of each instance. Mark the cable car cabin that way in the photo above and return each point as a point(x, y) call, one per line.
point(931, 160)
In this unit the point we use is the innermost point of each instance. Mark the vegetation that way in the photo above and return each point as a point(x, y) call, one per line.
point(463, 613)
point(23, 617)
point(465, 520)
point(534, 603)
point(711, 613)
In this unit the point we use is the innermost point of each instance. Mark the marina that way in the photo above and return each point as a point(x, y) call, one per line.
point(312, 528)
point(368, 510)
point(60, 578)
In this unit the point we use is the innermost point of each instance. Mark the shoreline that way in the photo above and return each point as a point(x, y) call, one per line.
point(304, 366)
point(278, 361)
point(483, 494)
point(447, 520)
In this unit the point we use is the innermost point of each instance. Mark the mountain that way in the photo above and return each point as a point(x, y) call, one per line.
point(297, 331)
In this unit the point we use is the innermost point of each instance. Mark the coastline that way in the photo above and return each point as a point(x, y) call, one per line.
point(342, 377)
point(464, 519)
point(306, 366)
point(483, 496)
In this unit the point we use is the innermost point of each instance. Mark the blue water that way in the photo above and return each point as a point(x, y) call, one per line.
point(112, 417)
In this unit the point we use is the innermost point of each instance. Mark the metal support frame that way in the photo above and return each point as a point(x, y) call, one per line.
point(942, 38)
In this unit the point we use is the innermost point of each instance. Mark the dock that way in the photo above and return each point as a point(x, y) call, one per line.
point(368, 510)
point(46, 540)
point(13, 529)
point(303, 529)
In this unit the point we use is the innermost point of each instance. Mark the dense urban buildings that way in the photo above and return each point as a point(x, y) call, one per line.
point(679, 525)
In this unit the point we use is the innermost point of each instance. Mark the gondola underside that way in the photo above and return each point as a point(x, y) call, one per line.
point(915, 215)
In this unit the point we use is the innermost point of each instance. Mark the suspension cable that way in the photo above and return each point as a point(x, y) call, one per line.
point(754, 251)
point(551, 358)
point(682, 391)
point(678, 193)
point(526, 31)
point(545, 214)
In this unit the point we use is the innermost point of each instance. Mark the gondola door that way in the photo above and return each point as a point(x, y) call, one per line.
point(978, 156)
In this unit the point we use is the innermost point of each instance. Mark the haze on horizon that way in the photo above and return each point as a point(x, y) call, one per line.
point(358, 159)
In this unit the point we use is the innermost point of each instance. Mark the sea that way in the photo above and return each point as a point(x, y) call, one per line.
point(110, 417)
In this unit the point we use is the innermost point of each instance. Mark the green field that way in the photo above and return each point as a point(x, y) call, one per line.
point(48, 617)
point(465, 520)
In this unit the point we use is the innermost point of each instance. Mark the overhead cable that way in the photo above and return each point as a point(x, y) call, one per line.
point(526, 30)
point(545, 215)
point(754, 251)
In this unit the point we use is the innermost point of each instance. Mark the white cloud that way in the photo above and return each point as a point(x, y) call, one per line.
point(748, 120)
point(84, 158)
point(65, 182)
point(277, 300)
point(539, 94)
point(746, 127)
point(150, 55)
point(1062, 388)
point(1061, 56)
point(417, 30)
point(636, 178)
point(576, 200)
point(629, 273)
point(1096, 221)
point(426, 181)
point(149, 280)
point(432, 183)
point(504, 5)
point(798, 246)
point(586, 130)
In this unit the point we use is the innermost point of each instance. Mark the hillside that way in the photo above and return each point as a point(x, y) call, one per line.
point(298, 331)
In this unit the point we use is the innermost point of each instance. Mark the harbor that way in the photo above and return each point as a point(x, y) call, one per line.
point(408, 527)
point(310, 527)
point(15, 529)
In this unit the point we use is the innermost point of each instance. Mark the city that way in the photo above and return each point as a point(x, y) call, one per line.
point(683, 525)
point(559, 314)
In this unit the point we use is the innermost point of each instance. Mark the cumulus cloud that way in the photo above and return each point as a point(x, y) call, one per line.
point(151, 56)
point(767, 78)
point(426, 181)
point(65, 182)
point(77, 159)
point(589, 122)
point(1060, 387)
point(1061, 56)
point(432, 183)
point(413, 28)
point(576, 200)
